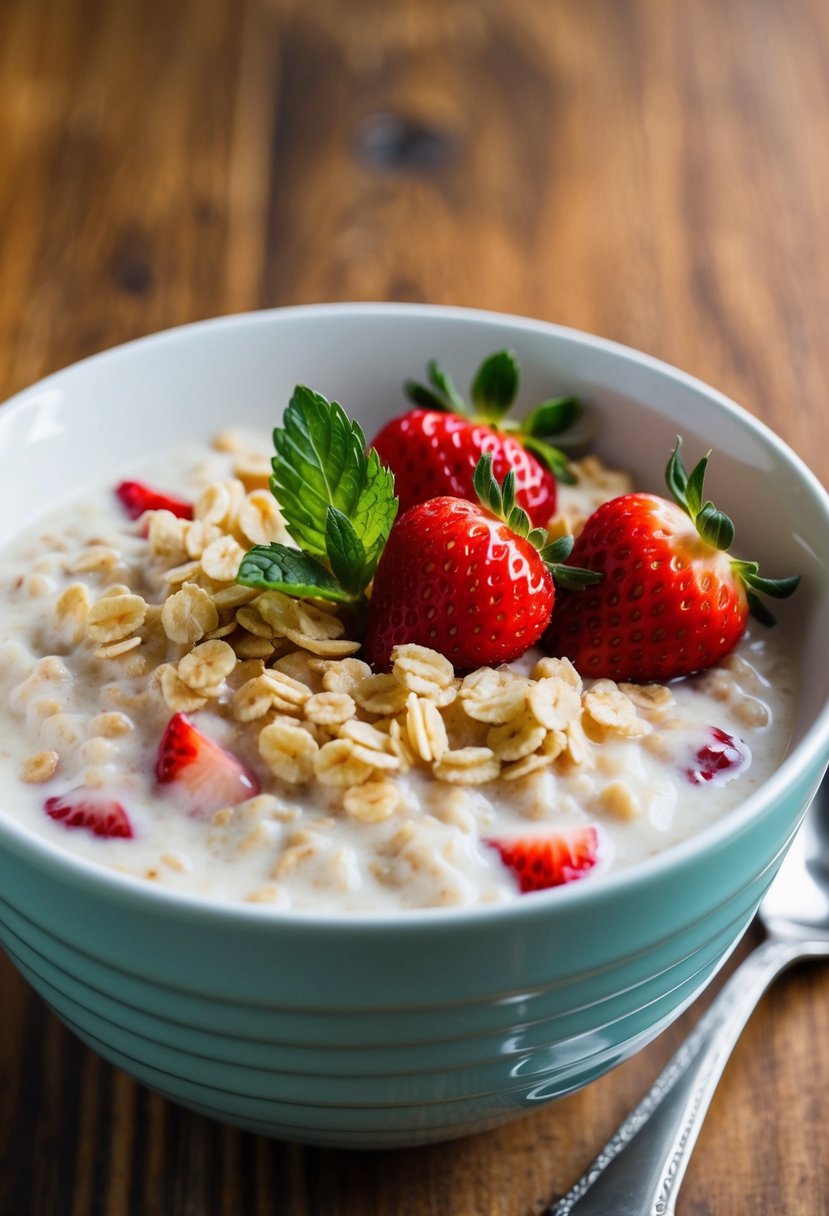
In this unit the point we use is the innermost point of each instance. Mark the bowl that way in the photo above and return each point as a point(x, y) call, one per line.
point(380, 1031)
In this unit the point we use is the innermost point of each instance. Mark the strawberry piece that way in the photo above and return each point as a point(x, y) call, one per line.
point(456, 579)
point(433, 454)
point(719, 759)
point(540, 862)
point(671, 601)
point(210, 776)
point(95, 813)
point(138, 498)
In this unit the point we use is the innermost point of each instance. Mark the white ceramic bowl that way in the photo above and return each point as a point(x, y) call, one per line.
point(412, 1027)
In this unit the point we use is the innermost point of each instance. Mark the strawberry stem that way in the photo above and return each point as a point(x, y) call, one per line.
point(717, 529)
point(500, 500)
point(493, 391)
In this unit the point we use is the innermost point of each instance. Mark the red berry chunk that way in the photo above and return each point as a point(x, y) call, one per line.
point(138, 498)
point(541, 862)
point(81, 808)
point(719, 759)
point(210, 776)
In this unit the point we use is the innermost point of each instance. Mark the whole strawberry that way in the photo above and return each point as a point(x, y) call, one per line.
point(672, 601)
point(433, 449)
point(469, 580)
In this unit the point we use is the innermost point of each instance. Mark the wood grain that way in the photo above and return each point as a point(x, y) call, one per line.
point(653, 170)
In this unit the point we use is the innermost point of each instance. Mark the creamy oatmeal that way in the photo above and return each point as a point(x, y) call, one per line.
point(313, 782)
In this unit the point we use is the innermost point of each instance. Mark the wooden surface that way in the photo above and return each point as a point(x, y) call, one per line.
point(656, 171)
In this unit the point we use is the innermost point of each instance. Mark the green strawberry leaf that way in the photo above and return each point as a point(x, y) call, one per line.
point(444, 383)
point(714, 526)
point(759, 611)
point(778, 588)
point(420, 395)
point(495, 385)
point(676, 475)
point(558, 550)
point(554, 459)
point(551, 417)
point(717, 529)
point(277, 568)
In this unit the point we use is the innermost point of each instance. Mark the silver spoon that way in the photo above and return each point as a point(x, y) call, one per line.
point(640, 1169)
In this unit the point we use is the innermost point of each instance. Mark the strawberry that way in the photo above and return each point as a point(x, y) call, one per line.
point(138, 498)
point(471, 581)
point(434, 454)
point(550, 860)
point(210, 776)
point(92, 811)
point(671, 601)
point(433, 449)
point(719, 759)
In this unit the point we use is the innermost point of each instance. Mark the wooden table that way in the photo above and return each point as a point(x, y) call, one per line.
point(656, 171)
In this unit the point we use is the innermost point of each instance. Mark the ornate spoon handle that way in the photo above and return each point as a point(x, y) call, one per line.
point(640, 1169)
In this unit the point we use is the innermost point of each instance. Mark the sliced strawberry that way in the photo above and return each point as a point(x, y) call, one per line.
point(83, 808)
point(719, 759)
point(543, 861)
point(210, 776)
point(138, 498)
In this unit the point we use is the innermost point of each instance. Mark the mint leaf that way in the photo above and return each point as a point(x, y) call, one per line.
point(375, 510)
point(277, 568)
point(321, 466)
point(319, 462)
point(345, 552)
point(495, 385)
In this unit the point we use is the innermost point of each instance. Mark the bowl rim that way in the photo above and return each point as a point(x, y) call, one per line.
point(121, 888)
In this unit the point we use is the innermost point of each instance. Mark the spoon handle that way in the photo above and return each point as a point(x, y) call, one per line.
point(641, 1167)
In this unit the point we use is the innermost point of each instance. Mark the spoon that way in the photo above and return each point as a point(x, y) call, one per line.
point(640, 1169)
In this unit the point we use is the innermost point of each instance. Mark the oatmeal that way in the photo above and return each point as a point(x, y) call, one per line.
point(232, 742)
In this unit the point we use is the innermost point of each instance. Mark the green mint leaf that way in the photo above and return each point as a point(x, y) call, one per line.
point(444, 383)
point(375, 511)
point(277, 568)
point(551, 417)
point(345, 552)
point(320, 462)
point(495, 385)
point(321, 466)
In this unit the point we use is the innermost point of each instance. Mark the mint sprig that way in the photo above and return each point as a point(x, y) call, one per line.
point(493, 391)
point(337, 501)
